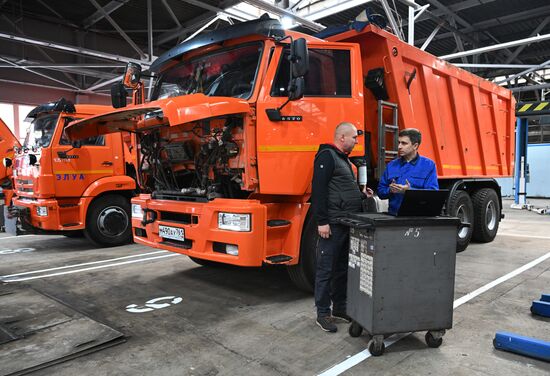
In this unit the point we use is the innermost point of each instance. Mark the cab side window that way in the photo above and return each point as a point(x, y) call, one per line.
point(90, 141)
point(329, 74)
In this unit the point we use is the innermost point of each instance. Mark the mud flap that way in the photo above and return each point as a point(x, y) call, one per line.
point(37, 331)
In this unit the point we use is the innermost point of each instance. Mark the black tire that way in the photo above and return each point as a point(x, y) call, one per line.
point(376, 350)
point(303, 273)
point(460, 205)
point(486, 215)
point(432, 342)
point(355, 330)
point(74, 234)
point(108, 222)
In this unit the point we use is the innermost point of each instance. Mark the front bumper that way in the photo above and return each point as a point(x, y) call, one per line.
point(59, 217)
point(203, 238)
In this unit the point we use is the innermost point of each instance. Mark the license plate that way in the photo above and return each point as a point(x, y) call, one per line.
point(174, 233)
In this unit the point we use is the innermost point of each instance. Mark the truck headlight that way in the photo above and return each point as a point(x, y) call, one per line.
point(136, 211)
point(234, 221)
point(42, 211)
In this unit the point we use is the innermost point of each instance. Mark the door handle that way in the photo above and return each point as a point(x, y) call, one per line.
point(107, 163)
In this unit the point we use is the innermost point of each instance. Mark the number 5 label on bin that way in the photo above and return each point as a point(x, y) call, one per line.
point(413, 232)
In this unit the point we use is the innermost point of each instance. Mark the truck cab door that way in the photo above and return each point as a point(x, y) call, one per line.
point(333, 94)
point(8, 142)
point(74, 169)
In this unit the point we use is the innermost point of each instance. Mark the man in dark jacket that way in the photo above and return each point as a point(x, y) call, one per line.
point(335, 193)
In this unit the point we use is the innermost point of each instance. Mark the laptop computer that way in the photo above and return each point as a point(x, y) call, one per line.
point(422, 202)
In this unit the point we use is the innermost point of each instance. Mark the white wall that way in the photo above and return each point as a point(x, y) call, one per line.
point(13, 115)
point(538, 157)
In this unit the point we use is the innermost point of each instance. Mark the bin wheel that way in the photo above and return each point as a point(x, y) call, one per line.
point(532, 310)
point(431, 341)
point(355, 329)
point(376, 349)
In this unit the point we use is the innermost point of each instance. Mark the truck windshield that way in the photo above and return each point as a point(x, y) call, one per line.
point(40, 131)
point(230, 73)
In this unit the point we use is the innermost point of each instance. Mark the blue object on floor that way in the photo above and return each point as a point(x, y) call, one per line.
point(532, 347)
point(541, 308)
point(545, 298)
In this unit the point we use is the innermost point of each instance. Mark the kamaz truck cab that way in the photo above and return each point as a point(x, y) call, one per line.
point(72, 187)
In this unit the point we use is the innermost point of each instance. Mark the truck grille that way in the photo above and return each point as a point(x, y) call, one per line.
point(186, 244)
point(182, 218)
point(177, 196)
point(24, 185)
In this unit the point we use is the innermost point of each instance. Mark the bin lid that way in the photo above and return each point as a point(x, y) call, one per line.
point(384, 219)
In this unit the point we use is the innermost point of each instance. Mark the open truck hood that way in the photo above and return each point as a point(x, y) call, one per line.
point(162, 112)
point(8, 142)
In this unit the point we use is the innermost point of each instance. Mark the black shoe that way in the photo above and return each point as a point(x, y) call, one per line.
point(326, 324)
point(341, 316)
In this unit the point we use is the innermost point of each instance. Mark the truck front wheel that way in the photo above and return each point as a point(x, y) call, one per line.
point(303, 274)
point(108, 221)
point(486, 215)
point(460, 205)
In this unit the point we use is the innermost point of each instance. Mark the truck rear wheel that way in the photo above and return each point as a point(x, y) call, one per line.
point(486, 215)
point(303, 274)
point(108, 221)
point(460, 205)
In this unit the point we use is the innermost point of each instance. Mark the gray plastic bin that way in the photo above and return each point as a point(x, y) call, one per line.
point(401, 275)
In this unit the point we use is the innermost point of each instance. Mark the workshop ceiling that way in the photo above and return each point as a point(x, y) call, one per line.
point(84, 45)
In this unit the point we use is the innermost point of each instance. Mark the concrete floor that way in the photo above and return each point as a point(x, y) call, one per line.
point(233, 321)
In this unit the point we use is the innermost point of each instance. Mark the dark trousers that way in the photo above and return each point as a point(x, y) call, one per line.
point(332, 271)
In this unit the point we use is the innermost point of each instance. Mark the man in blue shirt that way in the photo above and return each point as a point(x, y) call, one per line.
point(409, 171)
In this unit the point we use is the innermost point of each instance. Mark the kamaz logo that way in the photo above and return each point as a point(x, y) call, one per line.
point(69, 156)
point(70, 177)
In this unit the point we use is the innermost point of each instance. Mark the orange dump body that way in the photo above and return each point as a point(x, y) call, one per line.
point(467, 123)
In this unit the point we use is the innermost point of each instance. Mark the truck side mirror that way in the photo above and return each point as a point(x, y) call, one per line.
point(77, 144)
point(299, 66)
point(7, 162)
point(118, 95)
point(296, 88)
point(32, 159)
point(132, 75)
point(299, 57)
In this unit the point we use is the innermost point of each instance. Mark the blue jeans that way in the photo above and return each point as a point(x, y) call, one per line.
point(332, 271)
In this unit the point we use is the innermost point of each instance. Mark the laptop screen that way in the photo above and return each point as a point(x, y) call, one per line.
point(423, 202)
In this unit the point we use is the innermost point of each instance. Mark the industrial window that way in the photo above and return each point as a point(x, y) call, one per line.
point(329, 74)
point(539, 130)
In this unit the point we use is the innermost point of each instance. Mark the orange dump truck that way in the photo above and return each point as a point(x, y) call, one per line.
point(72, 187)
point(8, 144)
point(228, 137)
